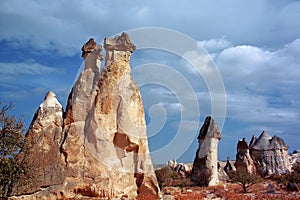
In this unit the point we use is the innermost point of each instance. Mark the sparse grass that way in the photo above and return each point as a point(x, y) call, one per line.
point(229, 191)
point(181, 188)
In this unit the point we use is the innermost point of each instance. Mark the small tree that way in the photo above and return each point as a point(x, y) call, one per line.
point(13, 166)
point(244, 179)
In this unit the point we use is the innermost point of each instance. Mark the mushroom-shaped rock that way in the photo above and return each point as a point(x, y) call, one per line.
point(205, 166)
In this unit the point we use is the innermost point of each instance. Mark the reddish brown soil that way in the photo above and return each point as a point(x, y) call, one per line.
point(225, 191)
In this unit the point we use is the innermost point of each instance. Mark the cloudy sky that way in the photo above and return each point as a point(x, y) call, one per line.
point(254, 45)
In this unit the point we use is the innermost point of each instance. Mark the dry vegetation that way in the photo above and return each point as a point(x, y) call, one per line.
point(227, 191)
point(174, 186)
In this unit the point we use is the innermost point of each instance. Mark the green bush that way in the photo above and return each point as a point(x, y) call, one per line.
point(244, 179)
point(13, 151)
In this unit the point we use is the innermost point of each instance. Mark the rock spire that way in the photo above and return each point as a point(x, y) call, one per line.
point(244, 161)
point(205, 166)
point(265, 155)
point(98, 147)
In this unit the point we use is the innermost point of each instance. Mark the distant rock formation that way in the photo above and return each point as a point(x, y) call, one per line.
point(229, 167)
point(265, 155)
point(294, 157)
point(183, 169)
point(244, 162)
point(205, 166)
point(98, 147)
point(270, 155)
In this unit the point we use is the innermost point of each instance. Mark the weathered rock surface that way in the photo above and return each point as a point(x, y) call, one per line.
point(265, 155)
point(229, 166)
point(294, 157)
point(244, 162)
point(270, 155)
point(99, 147)
point(205, 166)
point(44, 137)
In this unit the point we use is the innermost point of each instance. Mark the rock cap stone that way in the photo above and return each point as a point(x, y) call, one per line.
point(119, 43)
point(210, 129)
point(89, 47)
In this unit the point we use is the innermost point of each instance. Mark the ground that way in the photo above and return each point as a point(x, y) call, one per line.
point(225, 191)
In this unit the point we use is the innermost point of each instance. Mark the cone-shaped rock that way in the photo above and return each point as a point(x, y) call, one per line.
point(229, 167)
point(205, 167)
point(270, 155)
point(45, 136)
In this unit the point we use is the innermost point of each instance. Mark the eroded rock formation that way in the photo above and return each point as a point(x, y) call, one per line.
point(294, 157)
point(244, 162)
point(99, 147)
point(205, 166)
point(45, 136)
point(270, 155)
point(265, 155)
point(229, 166)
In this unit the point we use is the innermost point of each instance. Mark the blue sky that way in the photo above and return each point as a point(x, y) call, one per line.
point(254, 44)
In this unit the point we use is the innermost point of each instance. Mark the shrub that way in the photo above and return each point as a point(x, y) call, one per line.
point(166, 176)
point(13, 150)
point(244, 179)
point(292, 177)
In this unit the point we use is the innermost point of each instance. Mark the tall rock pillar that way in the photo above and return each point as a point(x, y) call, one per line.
point(205, 167)
point(243, 161)
point(98, 148)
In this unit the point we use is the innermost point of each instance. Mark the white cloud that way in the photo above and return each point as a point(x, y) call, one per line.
point(172, 107)
point(27, 68)
point(213, 45)
point(202, 62)
point(256, 109)
point(260, 84)
point(246, 58)
point(64, 26)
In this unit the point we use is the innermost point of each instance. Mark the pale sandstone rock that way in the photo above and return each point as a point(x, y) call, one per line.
point(265, 155)
point(294, 157)
point(116, 129)
point(229, 166)
point(205, 167)
point(270, 155)
point(102, 145)
point(244, 161)
point(45, 136)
